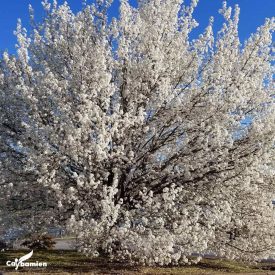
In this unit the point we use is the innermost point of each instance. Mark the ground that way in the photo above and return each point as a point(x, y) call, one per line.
point(70, 262)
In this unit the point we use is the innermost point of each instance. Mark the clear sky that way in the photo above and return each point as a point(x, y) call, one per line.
point(253, 14)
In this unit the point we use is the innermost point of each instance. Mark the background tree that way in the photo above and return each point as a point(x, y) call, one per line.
point(154, 146)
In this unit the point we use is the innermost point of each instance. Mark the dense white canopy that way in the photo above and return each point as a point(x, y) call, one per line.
point(153, 146)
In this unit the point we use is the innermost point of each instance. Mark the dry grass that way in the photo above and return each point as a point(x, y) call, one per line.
point(70, 262)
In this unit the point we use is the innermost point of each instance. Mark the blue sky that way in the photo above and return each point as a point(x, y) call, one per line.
point(253, 14)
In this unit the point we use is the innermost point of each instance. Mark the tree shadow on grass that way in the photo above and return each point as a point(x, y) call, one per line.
point(66, 261)
point(3, 258)
point(224, 265)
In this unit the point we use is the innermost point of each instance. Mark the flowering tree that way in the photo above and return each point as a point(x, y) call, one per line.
point(22, 203)
point(154, 146)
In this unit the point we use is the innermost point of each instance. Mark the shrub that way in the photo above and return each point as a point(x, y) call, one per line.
point(39, 242)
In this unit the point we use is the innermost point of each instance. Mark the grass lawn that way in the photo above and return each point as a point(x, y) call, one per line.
point(70, 262)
